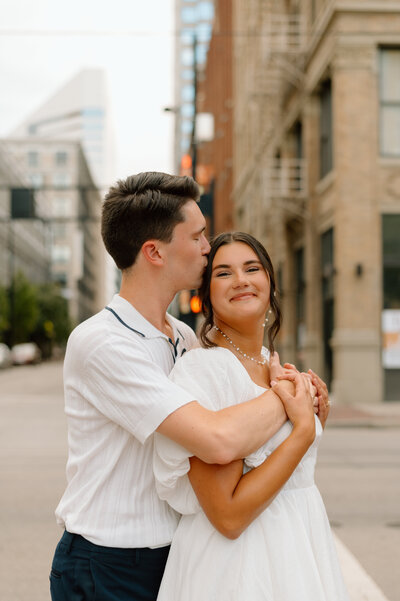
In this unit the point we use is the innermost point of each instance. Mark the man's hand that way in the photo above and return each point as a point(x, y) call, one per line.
point(322, 397)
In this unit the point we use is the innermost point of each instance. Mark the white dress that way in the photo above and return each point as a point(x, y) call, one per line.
point(286, 554)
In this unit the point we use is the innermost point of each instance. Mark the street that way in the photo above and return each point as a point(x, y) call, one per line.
point(358, 475)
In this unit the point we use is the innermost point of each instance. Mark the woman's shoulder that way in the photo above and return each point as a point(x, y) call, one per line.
point(212, 375)
point(213, 356)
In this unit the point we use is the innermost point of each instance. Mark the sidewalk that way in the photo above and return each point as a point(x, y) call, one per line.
point(382, 415)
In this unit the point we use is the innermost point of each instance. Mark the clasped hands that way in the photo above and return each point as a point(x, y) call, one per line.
point(316, 387)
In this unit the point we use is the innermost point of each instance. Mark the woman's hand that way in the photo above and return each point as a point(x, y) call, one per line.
point(275, 367)
point(299, 407)
point(289, 368)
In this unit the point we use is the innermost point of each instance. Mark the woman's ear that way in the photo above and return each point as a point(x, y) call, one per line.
point(151, 252)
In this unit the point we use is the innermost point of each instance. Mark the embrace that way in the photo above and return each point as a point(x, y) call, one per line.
point(210, 444)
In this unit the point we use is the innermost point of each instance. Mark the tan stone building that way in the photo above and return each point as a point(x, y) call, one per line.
point(317, 178)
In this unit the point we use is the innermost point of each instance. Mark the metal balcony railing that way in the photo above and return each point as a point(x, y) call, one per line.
point(286, 179)
point(285, 34)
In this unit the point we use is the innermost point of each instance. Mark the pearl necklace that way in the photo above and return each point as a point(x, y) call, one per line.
point(239, 350)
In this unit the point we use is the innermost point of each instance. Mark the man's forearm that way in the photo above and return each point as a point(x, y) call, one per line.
point(229, 434)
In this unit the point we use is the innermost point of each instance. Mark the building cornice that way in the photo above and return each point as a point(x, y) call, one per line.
point(336, 7)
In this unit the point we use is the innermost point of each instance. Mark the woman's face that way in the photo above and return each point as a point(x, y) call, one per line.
point(239, 286)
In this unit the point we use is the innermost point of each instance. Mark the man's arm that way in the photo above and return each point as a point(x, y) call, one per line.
point(231, 433)
point(225, 435)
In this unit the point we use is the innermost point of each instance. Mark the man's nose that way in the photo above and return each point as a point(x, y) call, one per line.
point(206, 246)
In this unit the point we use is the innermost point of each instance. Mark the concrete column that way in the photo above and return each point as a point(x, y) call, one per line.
point(357, 248)
point(313, 350)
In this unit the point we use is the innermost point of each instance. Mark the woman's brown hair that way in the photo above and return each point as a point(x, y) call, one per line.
point(204, 291)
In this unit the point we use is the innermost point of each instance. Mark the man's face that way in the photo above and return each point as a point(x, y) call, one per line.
point(186, 254)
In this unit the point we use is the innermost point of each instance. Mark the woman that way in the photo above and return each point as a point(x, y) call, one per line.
point(253, 530)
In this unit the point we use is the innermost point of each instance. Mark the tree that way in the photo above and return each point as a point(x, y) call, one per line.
point(24, 310)
point(4, 313)
point(53, 324)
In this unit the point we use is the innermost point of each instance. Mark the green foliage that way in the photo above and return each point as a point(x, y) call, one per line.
point(4, 313)
point(25, 309)
point(53, 324)
point(34, 312)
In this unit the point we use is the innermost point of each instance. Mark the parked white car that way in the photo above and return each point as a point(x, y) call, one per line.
point(25, 353)
point(5, 355)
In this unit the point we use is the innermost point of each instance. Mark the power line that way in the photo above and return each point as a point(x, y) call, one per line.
point(175, 33)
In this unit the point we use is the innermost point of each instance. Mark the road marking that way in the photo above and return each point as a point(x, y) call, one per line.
point(359, 584)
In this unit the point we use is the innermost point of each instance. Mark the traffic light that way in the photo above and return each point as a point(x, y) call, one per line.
point(189, 307)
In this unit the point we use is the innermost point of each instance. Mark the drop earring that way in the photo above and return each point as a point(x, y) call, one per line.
point(267, 318)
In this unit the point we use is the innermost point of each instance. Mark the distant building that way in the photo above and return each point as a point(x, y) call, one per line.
point(70, 207)
point(215, 95)
point(193, 22)
point(79, 111)
point(316, 177)
point(24, 244)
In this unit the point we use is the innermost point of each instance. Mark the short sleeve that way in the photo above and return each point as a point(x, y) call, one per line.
point(211, 378)
point(126, 386)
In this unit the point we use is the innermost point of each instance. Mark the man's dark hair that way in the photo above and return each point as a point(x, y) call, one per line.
point(204, 291)
point(143, 207)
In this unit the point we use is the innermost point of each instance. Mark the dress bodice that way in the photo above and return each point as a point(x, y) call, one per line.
point(218, 379)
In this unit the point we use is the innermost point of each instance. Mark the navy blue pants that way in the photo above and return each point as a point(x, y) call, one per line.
point(82, 571)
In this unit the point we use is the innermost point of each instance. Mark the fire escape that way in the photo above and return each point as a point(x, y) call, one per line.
point(283, 169)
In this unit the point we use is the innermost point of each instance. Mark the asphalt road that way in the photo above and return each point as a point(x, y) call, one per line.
point(358, 475)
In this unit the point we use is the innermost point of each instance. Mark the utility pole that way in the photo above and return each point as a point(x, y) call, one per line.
point(195, 84)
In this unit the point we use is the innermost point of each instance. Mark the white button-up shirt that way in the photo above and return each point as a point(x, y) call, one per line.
point(117, 393)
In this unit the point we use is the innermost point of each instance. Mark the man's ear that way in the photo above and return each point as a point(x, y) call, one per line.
point(151, 252)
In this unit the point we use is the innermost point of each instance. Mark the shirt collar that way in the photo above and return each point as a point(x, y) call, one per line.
point(135, 320)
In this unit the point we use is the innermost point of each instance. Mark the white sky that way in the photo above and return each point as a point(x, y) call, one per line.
point(139, 67)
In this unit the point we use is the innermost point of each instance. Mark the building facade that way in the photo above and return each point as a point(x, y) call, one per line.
point(317, 179)
point(24, 244)
point(215, 97)
point(69, 210)
point(193, 22)
point(79, 111)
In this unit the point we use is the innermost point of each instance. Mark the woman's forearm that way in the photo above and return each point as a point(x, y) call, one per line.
point(232, 500)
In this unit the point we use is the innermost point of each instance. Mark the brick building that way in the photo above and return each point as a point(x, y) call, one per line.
point(215, 158)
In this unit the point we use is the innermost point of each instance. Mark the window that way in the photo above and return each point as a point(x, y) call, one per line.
point(60, 254)
point(187, 110)
point(390, 102)
point(300, 304)
point(187, 93)
point(189, 14)
point(327, 271)
point(61, 158)
point(61, 207)
point(325, 142)
point(205, 11)
point(33, 158)
point(391, 261)
point(36, 180)
point(187, 57)
point(59, 230)
point(187, 74)
point(187, 127)
point(61, 180)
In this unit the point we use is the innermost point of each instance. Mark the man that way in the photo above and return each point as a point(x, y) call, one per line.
point(117, 394)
